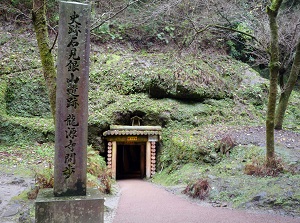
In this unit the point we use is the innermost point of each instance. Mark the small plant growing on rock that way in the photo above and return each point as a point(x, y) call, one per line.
point(199, 189)
point(106, 181)
point(43, 179)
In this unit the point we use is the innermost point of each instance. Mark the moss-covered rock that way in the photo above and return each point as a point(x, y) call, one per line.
point(195, 81)
point(165, 76)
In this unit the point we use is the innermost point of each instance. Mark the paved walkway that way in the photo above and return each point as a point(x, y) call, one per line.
point(143, 202)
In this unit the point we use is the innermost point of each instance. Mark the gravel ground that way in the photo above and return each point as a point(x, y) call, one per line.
point(257, 136)
point(285, 140)
point(111, 204)
point(12, 185)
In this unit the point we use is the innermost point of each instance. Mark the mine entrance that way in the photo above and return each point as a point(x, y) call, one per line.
point(131, 150)
point(131, 161)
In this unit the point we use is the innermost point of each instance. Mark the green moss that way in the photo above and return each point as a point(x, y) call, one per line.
point(23, 196)
point(113, 59)
point(27, 97)
point(189, 78)
point(180, 176)
point(20, 53)
point(21, 130)
point(3, 88)
point(292, 114)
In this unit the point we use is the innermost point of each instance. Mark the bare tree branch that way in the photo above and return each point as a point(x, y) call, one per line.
point(228, 29)
point(114, 15)
point(10, 7)
point(54, 42)
point(295, 31)
point(198, 31)
point(221, 14)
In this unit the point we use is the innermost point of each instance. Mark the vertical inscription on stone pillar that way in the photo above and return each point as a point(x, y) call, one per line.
point(72, 99)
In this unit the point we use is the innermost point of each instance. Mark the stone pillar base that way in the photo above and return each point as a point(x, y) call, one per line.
point(74, 209)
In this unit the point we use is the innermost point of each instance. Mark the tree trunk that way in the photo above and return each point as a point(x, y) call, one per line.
point(40, 27)
point(274, 65)
point(286, 92)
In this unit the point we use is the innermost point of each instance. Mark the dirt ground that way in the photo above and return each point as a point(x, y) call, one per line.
point(284, 139)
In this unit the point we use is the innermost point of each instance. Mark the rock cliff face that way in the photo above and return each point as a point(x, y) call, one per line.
point(194, 86)
point(190, 79)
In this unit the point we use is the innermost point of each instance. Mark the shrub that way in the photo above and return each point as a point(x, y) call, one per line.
point(262, 168)
point(225, 145)
point(199, 189)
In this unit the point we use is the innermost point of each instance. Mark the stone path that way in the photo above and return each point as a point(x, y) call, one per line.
point(143, 202)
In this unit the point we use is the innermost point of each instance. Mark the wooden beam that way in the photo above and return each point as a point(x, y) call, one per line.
point(129, 127)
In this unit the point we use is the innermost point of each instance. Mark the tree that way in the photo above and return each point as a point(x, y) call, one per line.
point(274, 66)
point(41, 30)
point(287, 89)
point(278, 55)
point(274, 70)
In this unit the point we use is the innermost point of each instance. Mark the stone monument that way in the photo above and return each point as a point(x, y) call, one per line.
point(72, 100)
point(71, 200)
